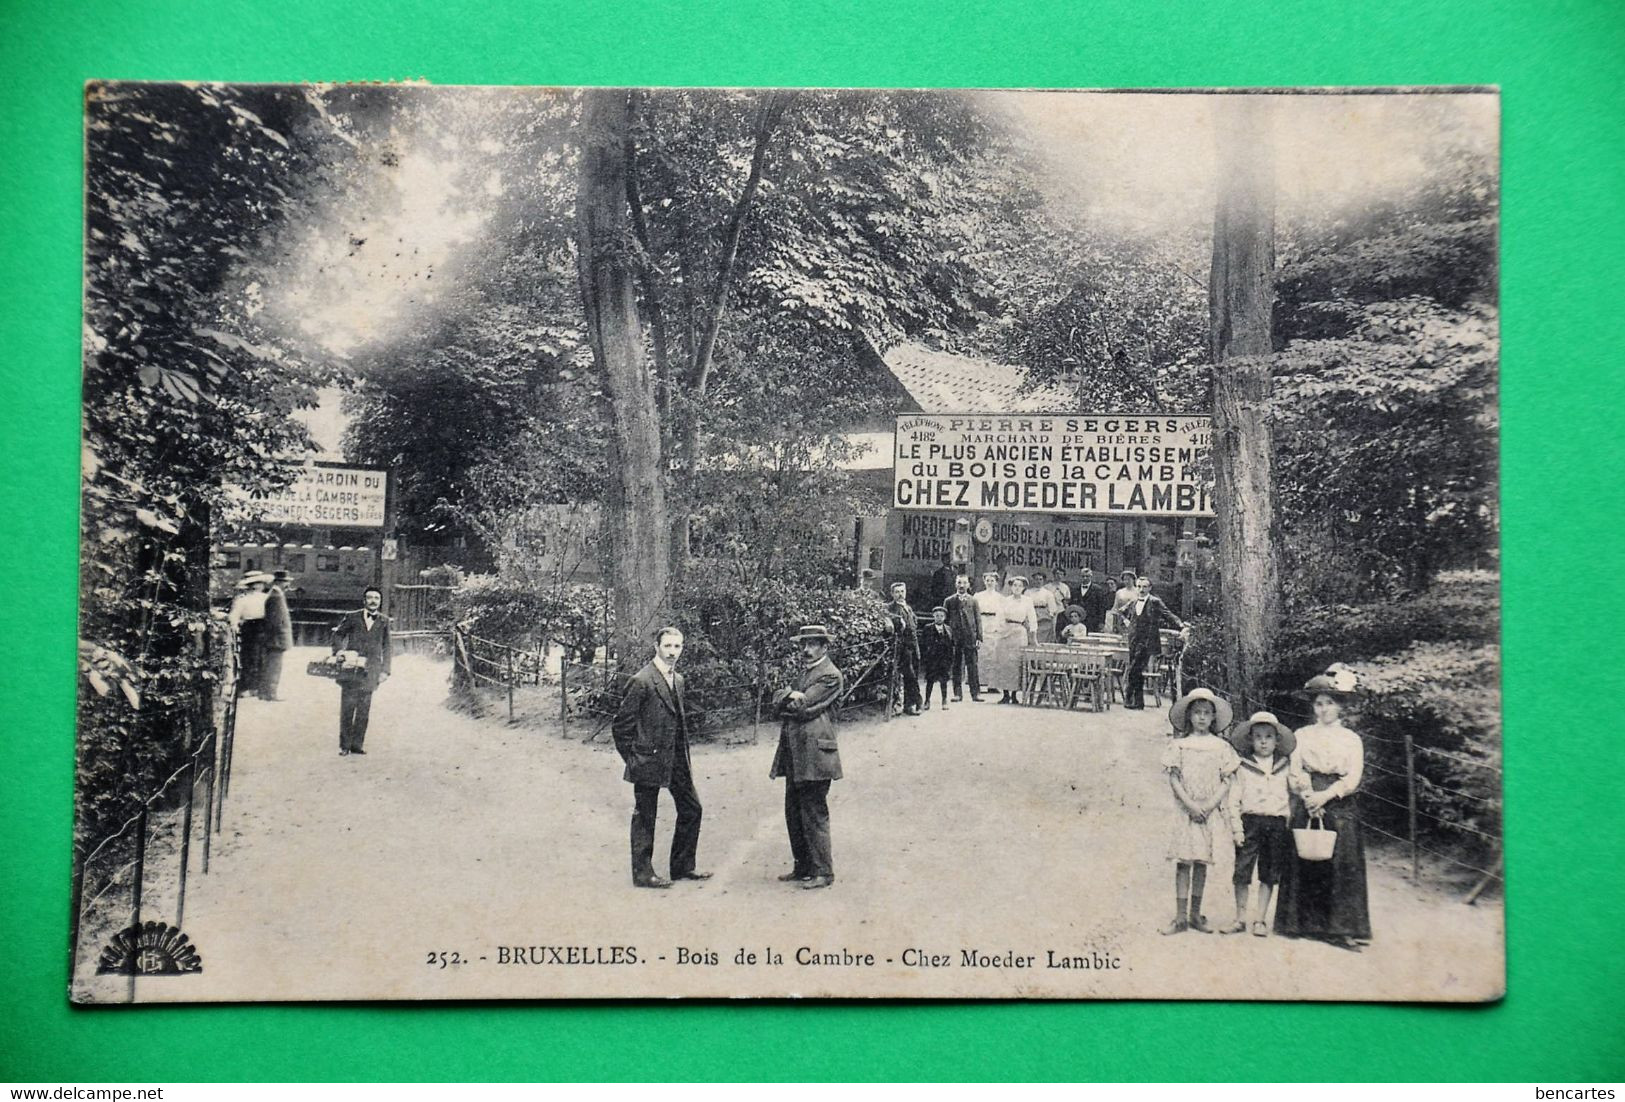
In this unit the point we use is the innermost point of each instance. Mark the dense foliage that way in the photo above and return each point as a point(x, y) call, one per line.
point(184, 393)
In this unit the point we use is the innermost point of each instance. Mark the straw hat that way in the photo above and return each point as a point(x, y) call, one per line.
point(1242, 737)
point(812, 631)
point(1338, 682)
point(1221, 709)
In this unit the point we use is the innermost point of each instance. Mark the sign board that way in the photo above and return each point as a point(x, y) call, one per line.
point(339, 497)
point(918, 540)
point(1107, 464)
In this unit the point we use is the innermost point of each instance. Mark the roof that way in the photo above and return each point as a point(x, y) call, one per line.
point(945, 382)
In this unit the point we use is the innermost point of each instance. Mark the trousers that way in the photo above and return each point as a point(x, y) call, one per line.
point(908, 669)
point(1134, 686)
point(964, 663)
point(270, 673)
point(355, 707)
point(685, 840)
point(806, 816)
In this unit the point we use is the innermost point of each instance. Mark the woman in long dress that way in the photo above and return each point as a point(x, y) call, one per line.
point(990, 615)
point(1018, 627)
point(1327, 899)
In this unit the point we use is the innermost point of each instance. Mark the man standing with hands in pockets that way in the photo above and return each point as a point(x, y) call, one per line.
point(651, 735)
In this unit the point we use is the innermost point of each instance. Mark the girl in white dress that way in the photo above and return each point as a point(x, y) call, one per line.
point(1200, 767)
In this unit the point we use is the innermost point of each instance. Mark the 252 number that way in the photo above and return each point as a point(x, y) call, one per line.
point(443, 958)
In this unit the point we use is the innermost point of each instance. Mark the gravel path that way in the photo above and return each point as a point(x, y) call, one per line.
point(1006, 833)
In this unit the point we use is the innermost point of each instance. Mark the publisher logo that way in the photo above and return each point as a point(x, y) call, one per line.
point(150, 949)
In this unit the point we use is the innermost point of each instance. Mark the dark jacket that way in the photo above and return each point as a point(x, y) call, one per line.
point(936, 648)
point(651, 726)
point(1143, 629)
point(351, 633)
point(278, 623)
point(1096, 601)
point(807, 747)
point(907, 627)
point(963, 620)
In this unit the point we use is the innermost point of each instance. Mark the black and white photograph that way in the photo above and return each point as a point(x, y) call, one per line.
point(584, 543)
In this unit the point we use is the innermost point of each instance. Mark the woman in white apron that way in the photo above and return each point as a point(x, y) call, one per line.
point(990, 615)
point(1018, 628)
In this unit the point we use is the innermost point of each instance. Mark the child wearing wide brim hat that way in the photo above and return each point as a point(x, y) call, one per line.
point(1222, 712)
point(1259, 810)
point(1241, 736)
point(1201, 768)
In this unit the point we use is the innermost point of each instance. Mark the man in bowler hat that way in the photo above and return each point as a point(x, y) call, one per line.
point(808, 758)
point(651, 735)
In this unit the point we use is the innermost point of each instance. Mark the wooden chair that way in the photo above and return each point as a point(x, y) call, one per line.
point(1091, 680)
point(1047, 675)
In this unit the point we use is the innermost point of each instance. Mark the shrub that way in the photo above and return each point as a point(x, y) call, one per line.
point(1446, 696)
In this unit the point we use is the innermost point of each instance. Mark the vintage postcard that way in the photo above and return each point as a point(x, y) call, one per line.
point(636, 543)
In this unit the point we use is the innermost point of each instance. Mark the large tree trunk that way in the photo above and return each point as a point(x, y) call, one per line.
point(635, 524)
point(1241, 295)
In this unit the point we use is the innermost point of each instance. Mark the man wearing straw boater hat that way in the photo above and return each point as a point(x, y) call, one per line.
point(808, 758)
point(247, 615)
point(651, 735)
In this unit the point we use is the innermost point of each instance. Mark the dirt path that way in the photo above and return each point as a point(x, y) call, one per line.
point(1008, 832)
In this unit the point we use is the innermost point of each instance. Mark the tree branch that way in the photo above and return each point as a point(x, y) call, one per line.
point(767, 117)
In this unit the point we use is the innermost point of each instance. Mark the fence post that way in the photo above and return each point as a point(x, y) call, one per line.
point(1410, 801)
point(186, 836)
point(564, 693)
point(508, 656)
point(139, 876)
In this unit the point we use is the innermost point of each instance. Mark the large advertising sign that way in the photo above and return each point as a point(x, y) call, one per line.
point(1110, 464)
point(322, 497)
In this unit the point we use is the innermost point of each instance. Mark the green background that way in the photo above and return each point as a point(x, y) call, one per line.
point(1559, 66)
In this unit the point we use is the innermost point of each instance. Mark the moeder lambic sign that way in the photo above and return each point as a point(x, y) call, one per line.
point(346, 497)
point(1129, 465)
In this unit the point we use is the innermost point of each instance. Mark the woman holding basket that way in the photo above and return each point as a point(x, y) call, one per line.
point(1326, 899)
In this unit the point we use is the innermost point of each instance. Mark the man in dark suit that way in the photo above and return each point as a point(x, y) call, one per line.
point(366, 632)
point(942, 580)
point(906, 641)
point(965, 625)
point(808, 758)
point(651, 734)
point(1146, 616)
point(1094, 599)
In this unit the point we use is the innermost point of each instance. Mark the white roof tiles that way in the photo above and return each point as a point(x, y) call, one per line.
point(944, 382)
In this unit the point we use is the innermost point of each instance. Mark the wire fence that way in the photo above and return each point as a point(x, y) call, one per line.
point(1411, 793)
point(588, 693)
point(1406, 797)
point(136, 874)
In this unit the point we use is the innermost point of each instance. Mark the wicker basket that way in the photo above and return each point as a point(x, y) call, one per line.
point(1314, 842)
point(336, 671)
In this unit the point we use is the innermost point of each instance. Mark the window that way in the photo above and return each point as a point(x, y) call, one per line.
point(327, 564)
point(294, 564)
point(231, 560)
